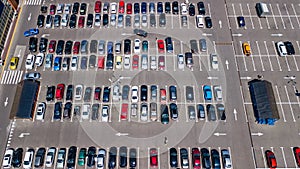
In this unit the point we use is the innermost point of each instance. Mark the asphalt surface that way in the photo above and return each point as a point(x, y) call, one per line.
point(240, 134)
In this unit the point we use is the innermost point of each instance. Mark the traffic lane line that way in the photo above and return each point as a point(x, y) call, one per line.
point(292, 112)
point(279, 99)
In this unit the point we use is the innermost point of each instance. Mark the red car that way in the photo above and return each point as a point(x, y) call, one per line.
point(52, 46)
point(129, 8)
point(121, 6)
point(161, 62)
point(60, 91)
point(76, 48)
point(97, 94)
point(297, 155)
point(135, 62)
point(153, 157)
point(81, 22)
point(161, 46)
point(124, 111)
point(97, 8)
point(101, 61)
point(271, 160)
point(52, 9)
point(196, 158)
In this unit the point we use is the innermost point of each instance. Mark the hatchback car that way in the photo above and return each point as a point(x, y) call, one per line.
point(13, 64)
point(153, 157)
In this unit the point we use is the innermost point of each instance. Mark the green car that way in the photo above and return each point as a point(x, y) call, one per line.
point(145, 46)
point(81, 157)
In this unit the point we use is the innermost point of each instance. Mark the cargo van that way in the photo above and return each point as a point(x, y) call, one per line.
point(262, 10)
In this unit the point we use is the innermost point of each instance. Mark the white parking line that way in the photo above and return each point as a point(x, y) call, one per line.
point(244, 59)
point(271, 66)
point(283, 115)
point(237, 68)
point(281, 16)
point(228, 23)
point(273, 16)
point(263, 156)
point(241, 8)
point(186, 115)
point(295, 62)
point(280, 69)
point(296, 166)
point(262, 65)
point(296, 15)
point(288, 97)
point(250, 16)
point(287, 12)
point(158, 155)
point(283, 157)
point(241, 89)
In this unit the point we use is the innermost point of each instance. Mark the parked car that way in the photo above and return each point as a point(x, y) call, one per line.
point(8, 158)
point(40, 113)
point(214, 61)
point(281, 49)
point(28, 158)
point(270, 159)
point(39, 157)
point(153, 157)
point(132, 157)
point(112, 158)
point(82, 157)
point(164, 114)
point(60, 91)
point(215, 159)
point(50, 156)
point(211, 112)
point(174, 111)
point(226, 160)
point(289, 47)
point(101, 158)
point(17, 157)
point(173, 158)
point(205, 158)
point(184, 158)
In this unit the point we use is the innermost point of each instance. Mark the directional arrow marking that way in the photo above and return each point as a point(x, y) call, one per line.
point(237, 34)
point(227, 64)
point(122, 134)
point(257, 134)
point(220, 134)
point(6, 102)
point(235, 114)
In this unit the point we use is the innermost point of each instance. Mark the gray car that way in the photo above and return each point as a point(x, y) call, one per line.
point(92, 61)
point(118, 46)
point(48, 62)
point(120, 20)
point(125, 92)
point(202, 43)
point(184, 21)
point(162, 20)
point(128, 21)
point(95, 111)
point(101, 47)
point(87, 94)
point(189, 92)
point(194, 46)
point(211, 112)
point(93, 46)
point(192, 113)
point(84, 47)
point(152, 20)
point(221, 111)
point(137, 20)
point(83, 64)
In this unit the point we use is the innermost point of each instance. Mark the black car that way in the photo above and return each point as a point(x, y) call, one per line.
point(39, 157)
point(160, 7)
point(173, 93)
point(50, 93)
point(33, 44)
point(69, 95)
point(44, 9)
point(112, 157)
point(289, 48)
point(75, 8)
point(110, 61)
point(200, 111)
point(132, 157)
point(192, 10)
point(164, 114)
point(215, 159)
point(144, 93)
point(241, 21)
point(57, 20)
point(201, 8)
point(208, 22)
point(173, 158)
point(169, 45)
point(174, 111)
point(167, 7)
point(184, 158)
point(60, 47)
point(136, 8)
point(82, 9)
point(221, 111)
point(17, 158)
point(127, 46)
point(205, 158)
point(68, 48)
point(40, 21)
point(105, 20)
point(123, 157)
point(175, 8)
point(73, 19)
point(140, 32)
point(57, 111)
point(89, 21)
point(144, 7)
point(91, 156)
point(71, 157)
point(67, 110)
point(106, 93)
point(43, 45)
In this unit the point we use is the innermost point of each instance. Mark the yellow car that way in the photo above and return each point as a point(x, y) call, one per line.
point(246, 49)
point(119, 62)
point(13, 63)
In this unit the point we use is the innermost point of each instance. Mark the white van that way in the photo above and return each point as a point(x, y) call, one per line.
point(262, 10)
point(86, 111)
point(199, 21)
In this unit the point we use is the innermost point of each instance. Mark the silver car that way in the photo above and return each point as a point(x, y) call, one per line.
point(137, 20)
point(144, 21)
point(128, 21)
point(144, 62)
point(48, 62)
point(120, 20)
point(113, 18)
point(153, 63)
point(101, 47)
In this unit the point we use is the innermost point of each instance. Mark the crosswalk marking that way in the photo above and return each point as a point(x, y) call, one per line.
point(32, 2)
point(11, 77)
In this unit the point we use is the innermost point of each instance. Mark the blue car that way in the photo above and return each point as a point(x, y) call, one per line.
point(241, 21)
point(144, 7)
point(207, 92)
point(57, 63)
point(31, 32)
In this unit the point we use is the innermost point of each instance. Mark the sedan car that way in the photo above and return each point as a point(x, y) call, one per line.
point(112, 158)
point(57, 64)
point(241, 21)
point(13, 64)
point(106, 94)
point(40, 113)
point(39, 157)
point(101, 158)
point(153, 157)
point(17, 158)
point(281, 49)
point(226, 160)
point(296, 151)
point(29, 61)
point(208, 22)
point(289, 47)
point(50, 156)
point(123, 157)
point(134, 94)
point(246, 49)
point(161, 46)
point(140, 32)
point(8, 158)
point(60, 162)
point(31, 32)
point(91, 156)
point(173, 158)
point(28, 158)
point(60, 91)
point(132, 157)
point(215, 159)
point(196, 158)
point(71, 159)
point(214, 61)
point(270, 159)
point(81, 157)
point(205, 158)
point(184, 158)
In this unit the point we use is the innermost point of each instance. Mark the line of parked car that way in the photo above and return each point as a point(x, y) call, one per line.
point(99, 157)
point(53, 18)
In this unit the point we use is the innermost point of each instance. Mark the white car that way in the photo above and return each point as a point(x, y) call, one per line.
point(113, 8)
point(144, 112)
point(48, 61)
point(39, 59)
point(101, 158)
point(116, 93)
point(64, 20)
point(67, 8)
point(86, 111)
point(144, 21)
point(97, 19)
point(183, 8)
point(137, 46)
point(104, 116)
point(134, 94)
point(27, 163)
point(180, 61)
point(40, 112)
point(113, 18)
point(78, 92)
point(74, 63)
point(153, 63)
point(61, 158)
point(281, 48)
point(127, 62)
point(226, 159)
point(218, 92)
point(8, 158)
point(50, 156)
point(30, 61)
point(60, 8)
point(214, 61)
